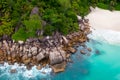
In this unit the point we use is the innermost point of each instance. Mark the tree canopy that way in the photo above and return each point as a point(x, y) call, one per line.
point(17, 22)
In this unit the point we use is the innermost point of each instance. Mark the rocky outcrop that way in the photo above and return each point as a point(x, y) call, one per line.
point(39, 67)
point(59, 67)
point(40, 56)
point(35, 10)
point(13, 71)
point(56, 56)
point(82, 52)
point(33, 50)
point(72, 50)
point(54, 50)
point(89, 49)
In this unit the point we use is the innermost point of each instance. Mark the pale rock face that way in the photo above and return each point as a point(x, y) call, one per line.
point(47, 37)
point(24, 49)
point(50, 42)
point(59, 67)
point(21, 48)
point(40, 49)
point(65, 40)
point(8, 52)
point(13, 41)
point(35, 10)
point(20, 42)
point(24, 57)
point(13, 71)
point(72, 50)
point(34, 53)
point(34, 49)
point(79, 17)
point(63, 53)
point(39, 67)
point(43, 51)
point(29, 55)
point(6, 44)
point(55, 57)
point(13, 47)
point(40, 56)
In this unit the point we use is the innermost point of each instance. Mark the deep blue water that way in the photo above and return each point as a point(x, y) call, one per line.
point(102, 64)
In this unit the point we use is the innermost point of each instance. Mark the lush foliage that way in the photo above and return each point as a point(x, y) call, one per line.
point(54, 15)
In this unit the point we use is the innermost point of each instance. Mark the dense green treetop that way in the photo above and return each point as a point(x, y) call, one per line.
point(17, 22)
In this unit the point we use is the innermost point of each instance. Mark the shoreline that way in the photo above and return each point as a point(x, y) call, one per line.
point(109, 36)
point(107, 22)
point(52, 50)
point(104, 19)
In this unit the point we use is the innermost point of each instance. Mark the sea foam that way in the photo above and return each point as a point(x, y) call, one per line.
point(105, 35)
point(22, 72)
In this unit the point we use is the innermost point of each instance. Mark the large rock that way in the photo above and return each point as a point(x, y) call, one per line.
point(62, 53)
point(68, 55)
point(13, 71)
point(26, 61)
point(39, 67)
point(72, 50)
point(34, 50)
point(6, 44)
point(89, 49)
point(24, 57)
point(83, 45)
point(59, 67)
point(69, 60)
point(20, 42)
point(35, 10)
point(40, 56)
point(9, 57)
point(29, 55)
point(56, 56)
point(21, 48)
point(13, 55)
point(82, 52)
point(97, 52)
point(65, 41)
point(82, 40)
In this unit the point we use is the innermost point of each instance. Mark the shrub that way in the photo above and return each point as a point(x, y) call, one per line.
point(6, 28)
point(102, 5)
point(20, 35)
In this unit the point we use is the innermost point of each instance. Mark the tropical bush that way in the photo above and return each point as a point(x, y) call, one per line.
point(59, 15)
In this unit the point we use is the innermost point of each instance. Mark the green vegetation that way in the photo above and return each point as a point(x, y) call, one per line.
point(54, 15)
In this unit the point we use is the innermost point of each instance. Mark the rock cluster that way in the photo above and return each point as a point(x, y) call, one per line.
point(54, 50)
point(33, 50)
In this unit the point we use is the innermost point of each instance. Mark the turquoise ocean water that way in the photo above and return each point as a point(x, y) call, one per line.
point(102, 64)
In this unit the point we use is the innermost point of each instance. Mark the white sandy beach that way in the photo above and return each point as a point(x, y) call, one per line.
point(105, 25)
point(104, 19)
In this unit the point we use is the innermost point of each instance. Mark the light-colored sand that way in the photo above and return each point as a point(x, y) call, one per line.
point(104, 19)
point(106, 25)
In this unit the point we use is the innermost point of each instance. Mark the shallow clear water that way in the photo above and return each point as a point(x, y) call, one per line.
point(105, 65)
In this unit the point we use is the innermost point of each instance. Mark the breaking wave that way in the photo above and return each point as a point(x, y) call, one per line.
point(22, 73)
point(107, 36)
